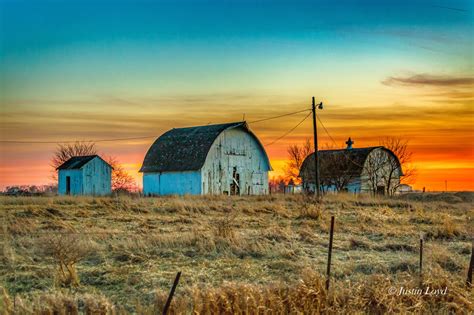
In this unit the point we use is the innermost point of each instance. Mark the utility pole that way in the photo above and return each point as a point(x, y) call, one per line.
point(316, 158)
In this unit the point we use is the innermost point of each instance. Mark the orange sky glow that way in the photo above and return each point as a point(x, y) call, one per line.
point(439, 137)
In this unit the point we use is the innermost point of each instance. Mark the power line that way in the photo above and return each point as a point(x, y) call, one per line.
point(289, 131)
point(279, 116)
point(131, 138)
point(327, 132)
point(345, 155)
point(73, 141)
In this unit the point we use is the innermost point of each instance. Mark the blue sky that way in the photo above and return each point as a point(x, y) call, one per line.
point(63, 42)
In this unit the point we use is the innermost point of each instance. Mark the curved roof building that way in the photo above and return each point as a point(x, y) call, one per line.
point(370, 169)
point(213, 159)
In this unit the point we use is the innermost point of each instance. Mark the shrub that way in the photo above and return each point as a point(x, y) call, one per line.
point(224, 227)
point(66, 249)
point(310, 212)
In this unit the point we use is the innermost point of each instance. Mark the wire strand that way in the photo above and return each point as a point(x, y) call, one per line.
point(131, 138)
point(289, 131)
point(279, 116)
point(327, 132)
point(73, 141)
point(345, 155)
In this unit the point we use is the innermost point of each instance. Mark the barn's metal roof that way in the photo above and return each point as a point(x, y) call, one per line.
point(185, 149)
point(352, 159)
point(77, 162)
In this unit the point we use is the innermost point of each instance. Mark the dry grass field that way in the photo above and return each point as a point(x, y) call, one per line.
point(252, 255)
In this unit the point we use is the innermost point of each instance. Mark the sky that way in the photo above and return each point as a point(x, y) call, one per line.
point(88, 70)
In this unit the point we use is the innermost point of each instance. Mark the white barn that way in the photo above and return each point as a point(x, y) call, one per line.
point(206, 160)
point(85, 175)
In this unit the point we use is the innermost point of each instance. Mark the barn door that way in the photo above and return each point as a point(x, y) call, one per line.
point(235, 183)
point(68, 185)
point(380, 190)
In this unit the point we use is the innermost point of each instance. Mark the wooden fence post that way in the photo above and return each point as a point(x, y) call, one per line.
point(170, 296)
point(469, 271)
point(421, 259)
point(328, 270)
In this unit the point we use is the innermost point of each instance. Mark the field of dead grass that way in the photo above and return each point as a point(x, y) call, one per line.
point(237, 255)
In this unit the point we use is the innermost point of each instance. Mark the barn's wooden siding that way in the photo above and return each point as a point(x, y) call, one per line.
point(76, 182)
point(235, 148)
point(97, 178)
point(172, 183)
point(94, 178)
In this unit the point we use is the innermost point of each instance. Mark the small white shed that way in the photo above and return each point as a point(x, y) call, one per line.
point(85, 175)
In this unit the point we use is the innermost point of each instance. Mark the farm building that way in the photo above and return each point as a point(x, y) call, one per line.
point(374, 170)
point(206, 160)
point(85, 175)
point(404, 189)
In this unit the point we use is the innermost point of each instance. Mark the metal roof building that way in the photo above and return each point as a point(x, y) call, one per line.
point(213, 159)
point(352, 169)
point(85, 175)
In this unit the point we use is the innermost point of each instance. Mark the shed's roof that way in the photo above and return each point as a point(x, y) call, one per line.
point(353, 160)
point(185, 149)
point(77, 162)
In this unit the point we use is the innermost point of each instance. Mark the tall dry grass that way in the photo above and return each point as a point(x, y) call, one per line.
point(372, 295)
point(252, 255)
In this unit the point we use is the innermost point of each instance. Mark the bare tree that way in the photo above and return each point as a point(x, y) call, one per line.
point(66, 248)
point(121, 180)
point(66, 151)
point(395, 167)
point(337, 169)
point(296, 156)
point(374, 168)
point(277, 184)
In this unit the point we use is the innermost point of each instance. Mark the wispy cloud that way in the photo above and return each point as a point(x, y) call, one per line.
point(429, 80)
point(450, 8)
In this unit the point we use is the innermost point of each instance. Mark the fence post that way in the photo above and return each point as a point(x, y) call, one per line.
point(328, 270)
point(170, 296)
point(469, 271)
point(421, 259)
